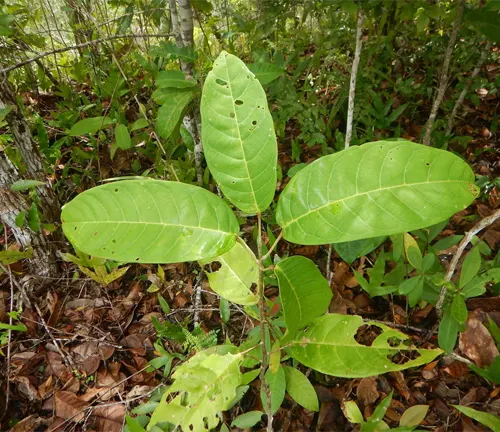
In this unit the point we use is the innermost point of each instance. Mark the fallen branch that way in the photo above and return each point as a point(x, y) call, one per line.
point(443, 79)
point(354, 74)
point(487, 221)
point(82, 45)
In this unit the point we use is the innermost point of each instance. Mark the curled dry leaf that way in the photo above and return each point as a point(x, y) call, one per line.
point(477, 343)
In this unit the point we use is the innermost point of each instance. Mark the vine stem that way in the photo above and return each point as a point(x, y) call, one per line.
point(482, 224)
point(263, 325)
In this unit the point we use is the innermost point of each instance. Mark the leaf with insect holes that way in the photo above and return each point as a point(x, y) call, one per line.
point(300, 389)
point(304, 292)
point(238, 272)
point(328, 346)
point(204, 385)
point(238, 135)
point(149, 221)
point(375, 189)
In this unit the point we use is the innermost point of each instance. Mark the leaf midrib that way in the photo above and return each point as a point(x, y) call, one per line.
point(330, 203)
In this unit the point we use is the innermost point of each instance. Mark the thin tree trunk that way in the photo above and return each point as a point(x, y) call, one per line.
point(28, 150)
point(461, 98)
point(354, 74)
point(443, 81)
point(191, 121)
point(43, 262)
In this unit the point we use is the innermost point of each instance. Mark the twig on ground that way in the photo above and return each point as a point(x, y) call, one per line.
point(197, 297)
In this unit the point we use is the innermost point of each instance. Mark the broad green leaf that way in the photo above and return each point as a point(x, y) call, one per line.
point(448, 331)
point(122, 137)
point(173, 78)
point(486, 419)
point(328, 346)
point(349, 251)
point(22, 185)
point(238, 135)
point(470, 266)
point(304, 292)
point(487, 22)
point(170, 113)
point(414, 415)
point(301, 389)
point(150, 221)
point(459, 309)
point(239, 270)
point(247, 420)
point(167, 49)
point(412, 251)
point(277, 385)
point(205, 385)
point(265, 72)
point(352, 412)
point(375, 189)
point(89, 126)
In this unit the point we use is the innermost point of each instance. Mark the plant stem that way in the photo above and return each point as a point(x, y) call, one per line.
point(460, 100)
point(443, 79)
point(354, 74)
point(266, 256)
point(263, 326)
point(482, 224)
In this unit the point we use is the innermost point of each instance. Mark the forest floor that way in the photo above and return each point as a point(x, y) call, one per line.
point(82, 364)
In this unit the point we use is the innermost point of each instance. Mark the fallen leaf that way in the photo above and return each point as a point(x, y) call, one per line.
point(476, 341)
point(28, 424)
point(69, 406)
point(110, 418)
point(367, 391)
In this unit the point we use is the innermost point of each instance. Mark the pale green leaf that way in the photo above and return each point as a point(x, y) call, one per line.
point(349, 251)
point(412, 251)
point(275, 357)
point(205, 385)
point(122, 137)
point(239, 270)
point(9, 256)
point(352, 412)
point(277, 386)
point(238, 135)
point(265, 72)
point(375, 189)
point(414, 415)
point(173, 78)
point(89, 126)
point(328, 346)
point(486, 419)
point(150, 221)
point(247, 420)
point(22, 185)
point(300, 389)
point(304, 292)
point(248, 377)
point(170, 113)
point(470, 266)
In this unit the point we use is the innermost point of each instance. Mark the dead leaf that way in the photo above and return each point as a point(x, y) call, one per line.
point(367, 391)
point(57, 367)
point(476, 341)
point(26, 389)
point(400, 384)
point(110, 418)
point(69, 406)
point(29, 424)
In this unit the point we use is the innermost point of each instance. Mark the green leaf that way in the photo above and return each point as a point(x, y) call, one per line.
point(487, 22)
point(239, 270)
point(350, 251)
point(446, 242)
point(167, 49)
point(122, 137)
point(248, 377)
point(225, 311)
point(304, 292)
point(486, 419)
point(149, 221)
point(412, 251)
point(139, 124)
point(275, 357)
point(491, 372)
point(89, 126)
point(277, 385)
point(175, 79)
point(414, 415)
point(376, 189)
point(22, 185)
point(265, 72)
point(352, 412)
point(459, 309)
point(133, 425)
point(379, 413)
point(412, 287)
point(470, 266)
point(397, 245)
point(238, 135)
point(170, 113)
point(205, 385)
point(163, 304)
point(247, 420)
point(328, 346)
point(448, 331)
point(300, 389)
point(33, 218)
point(20, 218)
